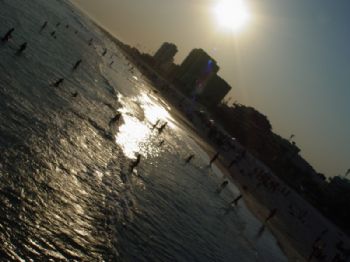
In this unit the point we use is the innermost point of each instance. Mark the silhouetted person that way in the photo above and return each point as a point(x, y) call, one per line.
point(75, 94)
point(115, 119)
point(234, 161)
point(188, 160)
point(317, 250)
point(76, 65)
point(161, 128)
point(235, 201)
point(338, 258)
point(260, 231)
point(43, 26)
point(156, 124)
point(222, 187)
point(22, 48)
point(58, 82)
point(104, 52)
point(8, 35)
point(271, 215)
point(214, 158)
point(135, 163)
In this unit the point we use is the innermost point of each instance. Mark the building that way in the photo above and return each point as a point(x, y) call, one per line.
point(165, 54)
point(214, 91)
point(195, 71)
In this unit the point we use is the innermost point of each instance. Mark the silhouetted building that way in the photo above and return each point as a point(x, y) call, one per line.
point(195, 71)
point(165, 54)
point(214, 91)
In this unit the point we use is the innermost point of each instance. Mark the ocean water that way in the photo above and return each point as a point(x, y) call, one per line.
point(66, 189)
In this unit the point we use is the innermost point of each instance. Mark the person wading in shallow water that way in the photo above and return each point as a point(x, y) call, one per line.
point(76, 65)
point(22, 48)
point(161, 128)
point(58, 82)
point(222, 187)
point(43, 26)
point(235, 201)
point(8, 35)
point(188, 160)
point(135, 163)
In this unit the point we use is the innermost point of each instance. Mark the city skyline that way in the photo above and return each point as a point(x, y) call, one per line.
point(289, 62)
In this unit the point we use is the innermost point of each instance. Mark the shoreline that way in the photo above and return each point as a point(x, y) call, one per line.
point(296, 235)
point(296, 241)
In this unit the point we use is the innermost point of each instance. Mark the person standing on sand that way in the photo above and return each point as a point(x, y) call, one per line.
point(234, 161)
point(214, 158)
point(271, 215)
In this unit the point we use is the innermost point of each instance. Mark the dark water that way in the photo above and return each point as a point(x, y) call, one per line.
point(66, 191)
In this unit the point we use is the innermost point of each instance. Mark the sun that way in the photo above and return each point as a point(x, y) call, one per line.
point(232, 14)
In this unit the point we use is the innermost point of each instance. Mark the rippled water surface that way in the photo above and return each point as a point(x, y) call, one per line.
point(67, 191)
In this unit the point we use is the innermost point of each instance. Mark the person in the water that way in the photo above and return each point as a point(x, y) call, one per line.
point(235, 201)
point(22, 48)
point(58, 82)
point(115, 119)
point(43, 26)
point(222, 187)
point(76, 65)
point(161, 128)
point(135, 163)
point(188, 160)
point(8, 35)
point(156, 124)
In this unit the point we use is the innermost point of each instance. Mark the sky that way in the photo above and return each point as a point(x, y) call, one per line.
point(291, 61)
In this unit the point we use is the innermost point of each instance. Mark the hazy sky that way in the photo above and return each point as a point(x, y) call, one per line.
point(292, 62)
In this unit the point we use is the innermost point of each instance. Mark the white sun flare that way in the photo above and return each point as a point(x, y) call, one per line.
point(232, 14)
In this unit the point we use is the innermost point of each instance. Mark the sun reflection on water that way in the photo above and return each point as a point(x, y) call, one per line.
point(132, 136)
point(136, 136)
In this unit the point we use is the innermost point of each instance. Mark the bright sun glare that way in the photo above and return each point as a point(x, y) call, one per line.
point(232, 14)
